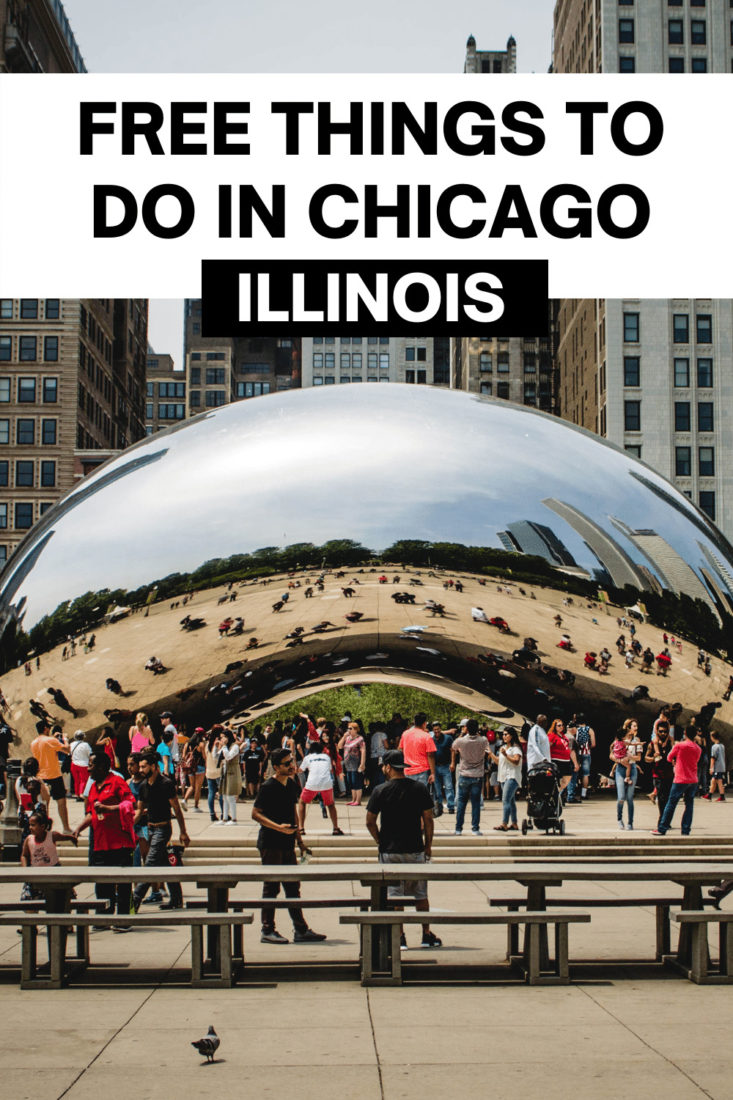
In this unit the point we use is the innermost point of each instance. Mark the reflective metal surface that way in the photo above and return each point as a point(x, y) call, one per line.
point(344, 479)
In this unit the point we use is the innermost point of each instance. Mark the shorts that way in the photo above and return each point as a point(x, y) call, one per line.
point(584, 762)
point(57, 787)
point(355, 779)
point(418, 888)
point(719, 775)
point(307, 795)
point(201, 770)
point(564, 767)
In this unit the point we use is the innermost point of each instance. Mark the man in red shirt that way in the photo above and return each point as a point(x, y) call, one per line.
point(110, 811)
point(685, 755)
point(418, 749)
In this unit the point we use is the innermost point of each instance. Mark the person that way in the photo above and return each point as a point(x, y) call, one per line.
point(166, 719)
point(538, 745)
point(39, 849)
point(585, 742)
point(194, 764)
point(479, 615)
point(400, 820)
point(213, 769)
point(318, 768)
point(274, 811)
point(561, 753)
point(418, 748)
point(443, 740)
point(509, 762)
point(134, 782)
point(255, 760)
point(657, 754)
point(685, 755)
point(81, 751)
point(471, 749)
point(377, 747)
point(231, 775)
point(141, 735)
point(110, 810)
point(717, 769)
point(625, 774)
point(47, 750)
point(353, 746)
point(158, 801)
point(703, 764)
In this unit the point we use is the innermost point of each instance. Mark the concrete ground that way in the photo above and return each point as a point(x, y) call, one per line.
point(318, 1034)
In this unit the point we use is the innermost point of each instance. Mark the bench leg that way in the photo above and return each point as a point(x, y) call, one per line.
point(699, 953)
point(726, 950)
point(396, 971)
point(57, 953)
point(663, 933)
point(82, 942)
point(512, 935)
point(367, 961)
point(197, 954)
point(226, 971)
point(532, 952)
point(562, 967)
point(29, 955)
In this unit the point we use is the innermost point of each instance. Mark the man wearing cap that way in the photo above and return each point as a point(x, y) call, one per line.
point(404, 833)
point(166, 719)
point(47, 750)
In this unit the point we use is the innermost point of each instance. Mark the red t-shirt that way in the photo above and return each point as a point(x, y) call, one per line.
point(112, 830)
point(685, 755)
point(559, 746)
point(416, 743)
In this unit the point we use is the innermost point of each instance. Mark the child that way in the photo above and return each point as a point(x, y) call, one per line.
point(39, 850)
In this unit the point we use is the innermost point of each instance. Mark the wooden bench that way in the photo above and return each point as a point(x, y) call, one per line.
point(701, 971)
point(660, 905)
point(529, 961)
point(58, 923)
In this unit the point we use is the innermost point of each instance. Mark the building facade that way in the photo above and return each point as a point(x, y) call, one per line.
point(165, 393)
point(334, 360)
point(36, 37)
point(71, 395)
point(654, 376)
point(490, 61)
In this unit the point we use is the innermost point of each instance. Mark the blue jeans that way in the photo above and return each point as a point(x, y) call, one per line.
point(444, 785)
point(212, 786)
point(584, 762)
point(469, 788)
point(687, 792)
point(509, 805)
point(421, 777)
point(625, 792)
point(158, 857)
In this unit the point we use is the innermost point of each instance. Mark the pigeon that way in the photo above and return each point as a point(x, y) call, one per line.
point(209, 1045)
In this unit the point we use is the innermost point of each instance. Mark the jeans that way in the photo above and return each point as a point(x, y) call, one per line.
point(272, 889)
point(118, 892)
point(509, 805)
point(444, 785)
point(212, 786)
point(625, 792)
point(687, 792)
point(664, 786)
point(468, 787)
point(420, 777)
point(584, 762)
point(158, 857)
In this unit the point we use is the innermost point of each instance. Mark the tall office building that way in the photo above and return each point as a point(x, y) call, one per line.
point(72, 386)
point(490, 61)
point(165, 392)
point(654, 376)
point(36, 37)
point(329, 360)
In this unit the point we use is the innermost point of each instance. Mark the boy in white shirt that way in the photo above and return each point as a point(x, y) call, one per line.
point(319, 768)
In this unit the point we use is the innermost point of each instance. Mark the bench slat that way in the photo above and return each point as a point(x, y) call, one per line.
point(179, 917)
point(695, 916)
point(545, 917)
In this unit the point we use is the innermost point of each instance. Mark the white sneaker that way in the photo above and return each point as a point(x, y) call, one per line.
point(230, 822)
point(476, 832)
point(221, 822)
point(621, 825)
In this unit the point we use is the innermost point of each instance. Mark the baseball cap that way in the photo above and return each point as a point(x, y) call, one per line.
point(463, 722)
point(395, 759)
point(165, 714)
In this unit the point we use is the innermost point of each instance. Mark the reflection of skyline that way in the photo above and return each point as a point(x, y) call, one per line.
point(674, 572)
point(614, 559)
point(528, 537)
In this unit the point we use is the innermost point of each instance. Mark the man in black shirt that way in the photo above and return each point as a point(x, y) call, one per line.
point(158, 801)
point(274, 810)
point(405, 833)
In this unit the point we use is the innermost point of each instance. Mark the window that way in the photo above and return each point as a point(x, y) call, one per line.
point(195, 376)
point(29, 309)
point(698, 32)
point(48, 433)
point(358, 378)
point(681, 373)
point(329, 379)
point(707, 503)
point(27, 349)
point(372, 360)
point(24, 474)
point(633, 448)
point(705, 417)
point(697, 3)
point(683, 461)
point(345, 360)
point(6, 309)
point(194, 399)
point(3, 516)
point(253, 389)
point(682, 416)
point(52, 309)
point(356, 360)
point(384, 359)
point(530, 393)
point(149, 410)
point(627, 65)
point(215, 398)
point(26, 391)
point(632, 416)
point(4, 473)
point(329, 339)
point(214, 355)
point(150, 389)
point(317, 380)
point(674, 3)
point(530, 362)
point(704, 373)
point(6, 349)
point(344, 379)
point(626, 30)
point(675, 32)
point(4, 431)
point(25, 432)
point(486, 388)
point(502, 390)
point(699, 65)
point(195, 356)
point(171, 389)
point(4, 390)
point(330, 359)
point(631, 328)
point(23, 516)
point(177, 412)
point(502, 362)
point(215, 376)
point(410, 355)
point(48, 474)
point(631, 370)
point(484, 362)
point(681, 328)
point(51, 349)
point(704, 328)
point(45, 505)
point(676, 64)
point(706, 462)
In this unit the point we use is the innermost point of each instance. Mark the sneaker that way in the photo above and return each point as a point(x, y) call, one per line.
point(309, 936)
point(656, 832)
point(170, 905)
point(459, 832)
point(272, 937)
point(223, 821)
point(197, 810)
point(214, 817)
point(621, 825)
point(721, 799)
point(451, 809)
point(403, 942)
point(120, 928)
point(716, 894)
point(338, 832)
point(153, 898)
point(431, 940)
point(476, 832)
point(231, 821)
point(134, 906)
point(706, 797)
point(629, 828)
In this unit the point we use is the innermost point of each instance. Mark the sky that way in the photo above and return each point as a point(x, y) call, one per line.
point(290, 36)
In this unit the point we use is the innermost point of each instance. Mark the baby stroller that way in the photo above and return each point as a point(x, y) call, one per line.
point(544, 804)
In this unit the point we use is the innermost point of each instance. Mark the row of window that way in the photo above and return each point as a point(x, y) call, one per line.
point(167, 389)
point(705, 461)
point(350, 339)
point(682, 416)
point(23, 514)
point(25, 474)
point(351, 360)
point(27, 388)
point(674, 64)
point(502, 389)
point(329, 379)
point(197, 356)
point(681, 367)
point(680, 328)
point(27, 348)
point(30, 309)
point(675, 32)
point(26, 430)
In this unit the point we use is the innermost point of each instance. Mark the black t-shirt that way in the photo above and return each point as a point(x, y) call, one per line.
point(277, 801)
point(6, 740)
point(253, 758)
point(401, 803)
point(156, 798)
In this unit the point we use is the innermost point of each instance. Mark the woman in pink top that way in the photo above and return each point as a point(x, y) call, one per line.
point(141, 735)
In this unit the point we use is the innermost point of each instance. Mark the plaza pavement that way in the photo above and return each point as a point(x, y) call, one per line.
point(299, 1032)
